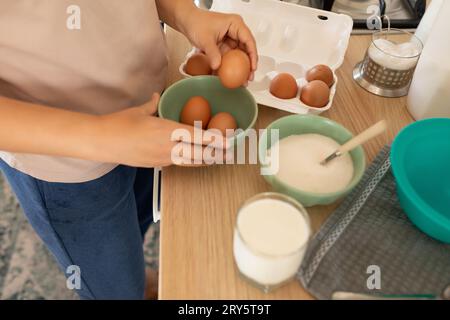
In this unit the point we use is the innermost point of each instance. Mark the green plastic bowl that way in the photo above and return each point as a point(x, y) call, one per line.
point(420, 158)
point(303, 124)
point(238, 102)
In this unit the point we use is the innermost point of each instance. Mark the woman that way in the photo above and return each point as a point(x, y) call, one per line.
point(78, 99)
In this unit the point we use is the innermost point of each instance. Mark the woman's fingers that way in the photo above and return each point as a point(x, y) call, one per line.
point(189, 155)
point(246, 38)
point(227, 45)
point(196, 136)
point(239, 36)
point(212, 51)
point(240, 32)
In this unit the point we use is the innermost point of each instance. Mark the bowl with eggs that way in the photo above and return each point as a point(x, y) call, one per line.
point(420, 158)
point(294, 159)
point(205, 99)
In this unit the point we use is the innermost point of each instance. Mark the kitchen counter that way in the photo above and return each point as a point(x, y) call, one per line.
point(199, 205)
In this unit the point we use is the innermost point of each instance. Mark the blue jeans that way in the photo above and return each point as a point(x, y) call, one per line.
point(98, 226)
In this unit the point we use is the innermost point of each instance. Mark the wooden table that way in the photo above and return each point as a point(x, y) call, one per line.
point(199, 205)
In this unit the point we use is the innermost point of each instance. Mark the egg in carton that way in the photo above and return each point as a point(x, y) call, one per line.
point(268, 70)
point(290, 39)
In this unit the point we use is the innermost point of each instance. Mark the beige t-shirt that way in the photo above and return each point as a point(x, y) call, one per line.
point(91, 56)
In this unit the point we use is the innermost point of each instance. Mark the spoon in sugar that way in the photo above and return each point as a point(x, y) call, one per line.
point(360, 139)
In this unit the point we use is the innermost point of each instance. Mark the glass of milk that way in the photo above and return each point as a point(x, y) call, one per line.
point(270, 239)
point(390, 49)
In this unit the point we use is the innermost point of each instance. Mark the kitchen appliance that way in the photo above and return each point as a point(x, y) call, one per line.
point(404, 14)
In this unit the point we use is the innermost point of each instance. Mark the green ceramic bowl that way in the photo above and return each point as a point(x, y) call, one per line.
point(301, 124)
point(238, 102)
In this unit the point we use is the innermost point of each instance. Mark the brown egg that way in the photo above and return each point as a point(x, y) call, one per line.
point(198, 65)
point(284, 86)
point(321, 72)
point(223, 121)
point(196, 109)
point(235, 69)
point(315, 94)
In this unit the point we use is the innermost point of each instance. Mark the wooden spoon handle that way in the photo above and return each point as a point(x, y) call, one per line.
point(364, 136)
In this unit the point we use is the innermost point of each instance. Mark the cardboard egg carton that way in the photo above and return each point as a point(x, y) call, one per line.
point(292, 39)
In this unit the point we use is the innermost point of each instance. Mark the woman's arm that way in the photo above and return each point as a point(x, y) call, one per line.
point(132, 137)
point(175, 12)
point(32, 128)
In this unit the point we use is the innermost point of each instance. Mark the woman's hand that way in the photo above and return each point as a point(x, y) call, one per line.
point(137, 138)
point(212, 32)
point(216, 33)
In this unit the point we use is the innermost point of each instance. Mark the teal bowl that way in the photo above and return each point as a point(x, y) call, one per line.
point(420, 158)
point(238, 102)
point(303, 124)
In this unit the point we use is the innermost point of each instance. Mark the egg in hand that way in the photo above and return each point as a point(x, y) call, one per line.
point(235, 69)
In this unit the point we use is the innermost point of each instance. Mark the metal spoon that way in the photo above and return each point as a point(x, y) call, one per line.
point(360, 139)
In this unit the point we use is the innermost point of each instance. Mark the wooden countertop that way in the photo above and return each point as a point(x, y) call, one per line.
point(199, 205)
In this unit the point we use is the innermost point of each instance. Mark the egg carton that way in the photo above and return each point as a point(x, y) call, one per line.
point(292, 39)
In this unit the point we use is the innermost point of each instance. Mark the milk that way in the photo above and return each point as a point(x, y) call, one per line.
point(270, 241)
point(394, 56)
